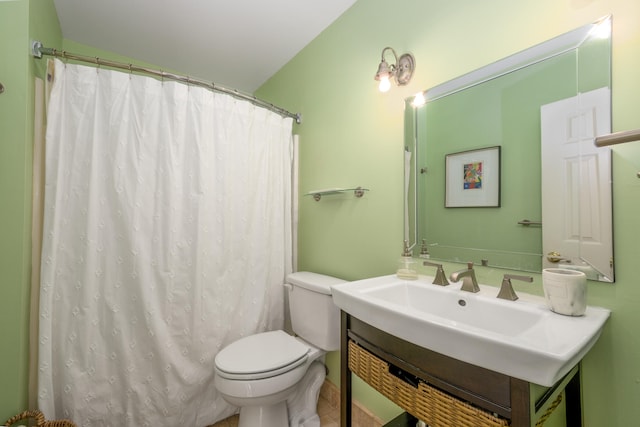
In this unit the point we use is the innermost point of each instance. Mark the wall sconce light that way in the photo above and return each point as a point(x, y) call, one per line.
point(401, 70)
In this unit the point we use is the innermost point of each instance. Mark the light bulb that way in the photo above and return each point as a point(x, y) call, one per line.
point(419, 100)
point(385, 84)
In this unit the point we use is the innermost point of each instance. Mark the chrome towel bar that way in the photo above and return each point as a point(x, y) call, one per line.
point(529, 222)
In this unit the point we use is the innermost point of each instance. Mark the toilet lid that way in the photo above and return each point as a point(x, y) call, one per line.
point(262, 355)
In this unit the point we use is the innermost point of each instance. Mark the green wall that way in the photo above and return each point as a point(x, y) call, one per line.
point(20, 20)
point(14, 181)
point(353, 135)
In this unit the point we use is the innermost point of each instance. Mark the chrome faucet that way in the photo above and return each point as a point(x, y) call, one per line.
point(441, 278)
point(468, 276)
point(506, 290)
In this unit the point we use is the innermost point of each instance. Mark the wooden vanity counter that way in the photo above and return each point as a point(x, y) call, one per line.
point(399, 366)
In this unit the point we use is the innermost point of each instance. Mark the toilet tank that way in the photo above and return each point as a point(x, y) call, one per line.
point(314, 316)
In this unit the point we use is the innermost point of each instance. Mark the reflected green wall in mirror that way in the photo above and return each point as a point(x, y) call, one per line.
point(501, 111)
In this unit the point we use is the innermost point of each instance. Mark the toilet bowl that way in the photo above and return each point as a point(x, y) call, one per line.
point(260, 372)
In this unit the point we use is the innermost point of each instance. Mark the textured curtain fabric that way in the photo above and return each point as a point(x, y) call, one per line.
point(167, 235)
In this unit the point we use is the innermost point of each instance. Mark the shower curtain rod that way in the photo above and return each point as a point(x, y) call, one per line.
point(37, 50)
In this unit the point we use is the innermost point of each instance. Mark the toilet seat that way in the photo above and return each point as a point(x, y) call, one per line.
point(261, 356)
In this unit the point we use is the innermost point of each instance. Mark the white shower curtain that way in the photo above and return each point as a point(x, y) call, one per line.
point(167, 235)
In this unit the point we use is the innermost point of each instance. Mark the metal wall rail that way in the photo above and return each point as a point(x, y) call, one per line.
point(617, 138)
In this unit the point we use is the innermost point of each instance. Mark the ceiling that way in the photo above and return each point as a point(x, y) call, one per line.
point(238, 44)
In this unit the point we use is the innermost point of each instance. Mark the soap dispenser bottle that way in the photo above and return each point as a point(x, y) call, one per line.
point(407, 265)
point(424, 250)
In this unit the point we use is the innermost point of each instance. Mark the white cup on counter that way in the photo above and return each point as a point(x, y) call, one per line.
point(565, 291)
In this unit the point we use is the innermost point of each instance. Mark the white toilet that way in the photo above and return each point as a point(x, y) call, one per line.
point(260, 372)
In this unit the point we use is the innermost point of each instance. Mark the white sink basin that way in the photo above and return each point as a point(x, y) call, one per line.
point(522, 338)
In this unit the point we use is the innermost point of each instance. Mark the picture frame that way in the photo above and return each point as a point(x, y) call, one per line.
point(472, 178)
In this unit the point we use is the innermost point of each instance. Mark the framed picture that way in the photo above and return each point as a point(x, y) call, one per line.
point(473, 178)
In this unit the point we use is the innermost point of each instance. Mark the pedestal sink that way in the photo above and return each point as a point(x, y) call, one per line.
point(522, 338)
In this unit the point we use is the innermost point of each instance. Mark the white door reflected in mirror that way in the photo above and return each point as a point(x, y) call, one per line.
point(576, 184)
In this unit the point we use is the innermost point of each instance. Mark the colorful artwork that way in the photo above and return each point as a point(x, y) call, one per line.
point(472, 176)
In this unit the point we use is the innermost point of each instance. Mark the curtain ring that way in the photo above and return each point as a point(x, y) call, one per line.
point(65, 59)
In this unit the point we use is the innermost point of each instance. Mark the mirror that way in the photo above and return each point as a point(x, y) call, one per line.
point(500, 164)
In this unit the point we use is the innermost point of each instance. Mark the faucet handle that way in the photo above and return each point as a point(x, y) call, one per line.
point(506, 289)
point(441, 278)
